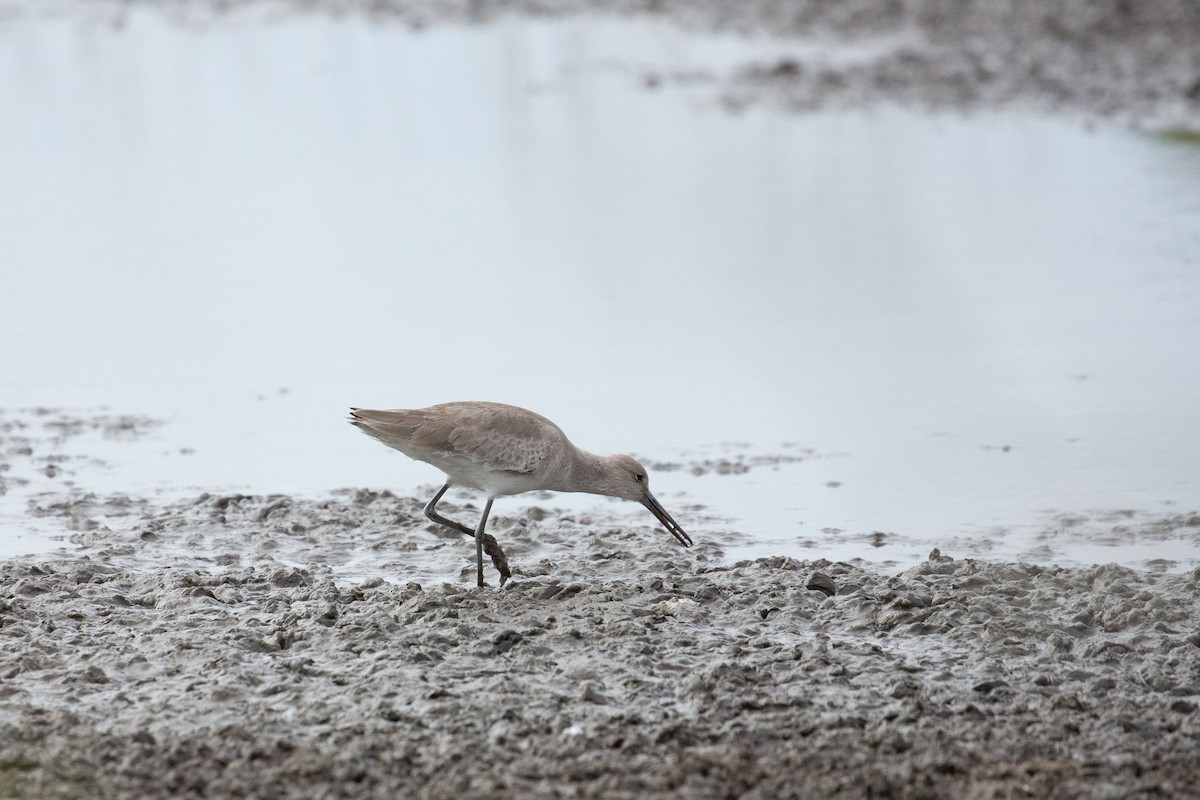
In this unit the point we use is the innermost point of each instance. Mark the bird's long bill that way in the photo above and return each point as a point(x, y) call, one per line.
point(670, 524)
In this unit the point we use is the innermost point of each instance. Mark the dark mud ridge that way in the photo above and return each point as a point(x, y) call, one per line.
point(621, 668)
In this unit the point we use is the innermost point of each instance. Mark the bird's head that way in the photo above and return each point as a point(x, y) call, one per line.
point(627, 478)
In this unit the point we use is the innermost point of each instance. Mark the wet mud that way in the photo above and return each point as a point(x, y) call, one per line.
point(206, 649)
point(35, 442)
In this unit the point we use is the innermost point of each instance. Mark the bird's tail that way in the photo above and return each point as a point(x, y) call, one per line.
point(393, 428)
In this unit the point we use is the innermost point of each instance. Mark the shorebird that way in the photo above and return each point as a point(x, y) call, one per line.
point(504, 450)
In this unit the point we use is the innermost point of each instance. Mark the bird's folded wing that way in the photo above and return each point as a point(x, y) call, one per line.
point(496, 437)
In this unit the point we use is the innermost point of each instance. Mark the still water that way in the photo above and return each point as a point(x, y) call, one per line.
point(969, 326)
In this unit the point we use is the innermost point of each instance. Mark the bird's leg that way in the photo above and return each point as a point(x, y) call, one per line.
point(431, 512)
point(479, 534)
point(490, 545)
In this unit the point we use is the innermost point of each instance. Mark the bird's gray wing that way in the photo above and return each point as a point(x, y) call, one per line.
point(496, 436)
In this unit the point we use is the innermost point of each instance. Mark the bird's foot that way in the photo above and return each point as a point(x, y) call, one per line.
point(499, 560)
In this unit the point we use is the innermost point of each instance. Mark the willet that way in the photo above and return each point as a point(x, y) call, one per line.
point(504, 450)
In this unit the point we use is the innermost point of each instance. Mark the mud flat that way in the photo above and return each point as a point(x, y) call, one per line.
point(178, 653)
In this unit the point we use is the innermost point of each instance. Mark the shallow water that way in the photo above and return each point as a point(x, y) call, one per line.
point(976, 331)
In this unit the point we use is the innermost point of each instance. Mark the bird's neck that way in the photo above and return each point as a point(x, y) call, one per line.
point(587, 472)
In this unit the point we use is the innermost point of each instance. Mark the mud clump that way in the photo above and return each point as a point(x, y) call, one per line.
point(956, 679)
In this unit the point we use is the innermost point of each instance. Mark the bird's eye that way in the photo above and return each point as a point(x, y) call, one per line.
point(639, 477)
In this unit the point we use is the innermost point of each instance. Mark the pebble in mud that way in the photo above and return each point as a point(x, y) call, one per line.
point(819, 581)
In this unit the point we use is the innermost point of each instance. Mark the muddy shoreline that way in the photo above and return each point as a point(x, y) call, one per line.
point(160, 660)
point(1132, 63)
